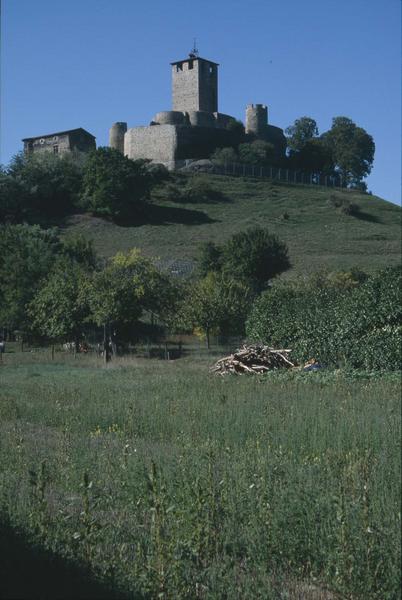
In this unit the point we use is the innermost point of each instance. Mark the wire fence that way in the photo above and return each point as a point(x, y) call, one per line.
point(272, 173)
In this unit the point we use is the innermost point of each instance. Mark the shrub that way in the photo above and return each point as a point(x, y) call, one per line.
point(114, 185)
point(358, 325)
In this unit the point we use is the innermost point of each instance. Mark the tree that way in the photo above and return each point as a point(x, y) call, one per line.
point(49, 184)
point(314, 157)
point(302, 131)
point(27, 255)
point(209, 258)
point(114, 185)
point(352, 150)
point(79, 249)
point(258, 153)
point(215, 302)
point(60, 307)
point(255, 257)
point(12, 195)
point(223, 156)
point(128, 285)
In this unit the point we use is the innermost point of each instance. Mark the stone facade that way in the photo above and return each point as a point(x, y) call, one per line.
point(194, 128)
point(61, 142)
point(195, 85)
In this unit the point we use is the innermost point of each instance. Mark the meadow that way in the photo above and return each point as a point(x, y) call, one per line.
point(317, 234)
point(165, 481)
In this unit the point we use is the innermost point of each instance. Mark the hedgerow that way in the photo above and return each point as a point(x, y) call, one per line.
point(357, 326)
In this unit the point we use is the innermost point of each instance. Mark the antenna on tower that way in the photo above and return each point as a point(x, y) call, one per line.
point(194, 52)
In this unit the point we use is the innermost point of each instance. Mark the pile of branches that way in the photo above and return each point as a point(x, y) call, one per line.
point(254, 360)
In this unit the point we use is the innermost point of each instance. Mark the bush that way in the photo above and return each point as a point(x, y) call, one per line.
point(43, 185)
point(343, 205)
point(357, 325)
point(114, 185)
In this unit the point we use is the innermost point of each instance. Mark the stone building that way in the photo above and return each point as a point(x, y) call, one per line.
point(195, 127)
point(61, 142)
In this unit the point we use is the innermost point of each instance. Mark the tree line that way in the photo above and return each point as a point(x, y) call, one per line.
point(52, 288)
point(345, 150)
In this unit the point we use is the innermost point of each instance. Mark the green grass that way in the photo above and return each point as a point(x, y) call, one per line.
point(169, 482)
point(317, 234)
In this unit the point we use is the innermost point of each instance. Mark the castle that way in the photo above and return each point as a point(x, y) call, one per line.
point(195, 127)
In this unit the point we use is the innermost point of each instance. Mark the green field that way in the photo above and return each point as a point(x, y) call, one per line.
point(168, 482)
point(317, 234)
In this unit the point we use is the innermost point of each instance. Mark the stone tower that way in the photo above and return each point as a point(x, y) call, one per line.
point(116, 136)
point(256, 119)
point(195, 84)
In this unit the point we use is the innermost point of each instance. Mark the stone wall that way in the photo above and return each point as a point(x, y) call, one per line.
point(185, 90)
point(169, 143)
point(156, 142)
point(195, 85)
point(61, 143)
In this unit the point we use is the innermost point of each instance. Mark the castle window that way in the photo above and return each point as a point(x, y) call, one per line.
point(55, 149)
point(179, 67)
point(211, 70)
point(190, 64)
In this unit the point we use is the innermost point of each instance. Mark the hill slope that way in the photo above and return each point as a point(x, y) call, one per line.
point(318, 235)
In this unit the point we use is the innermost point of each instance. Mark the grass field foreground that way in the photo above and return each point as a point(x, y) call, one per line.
point(169, 482)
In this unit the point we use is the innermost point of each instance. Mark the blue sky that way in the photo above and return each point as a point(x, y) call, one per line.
point(89, 63)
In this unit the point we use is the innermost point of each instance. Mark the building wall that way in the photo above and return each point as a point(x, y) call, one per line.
point(169, 143)
point(195, 86)
point(81, 141)
point(60, 144)
point(48, 144)
point(156, 142)
point(208, 86)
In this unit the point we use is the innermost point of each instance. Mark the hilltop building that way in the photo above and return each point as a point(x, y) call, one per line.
point(61, 142)
point(194, 127)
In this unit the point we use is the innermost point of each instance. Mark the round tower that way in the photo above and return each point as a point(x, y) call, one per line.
point(256, 119)
point(116, 136)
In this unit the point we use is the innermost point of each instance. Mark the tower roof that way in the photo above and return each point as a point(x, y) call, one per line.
point(176, 62)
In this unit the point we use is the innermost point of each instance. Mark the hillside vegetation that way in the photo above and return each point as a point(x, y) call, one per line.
point(317, 233)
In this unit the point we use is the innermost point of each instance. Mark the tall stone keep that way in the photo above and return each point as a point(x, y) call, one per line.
point(195, 85)
point(116, 136)
point(256, 119)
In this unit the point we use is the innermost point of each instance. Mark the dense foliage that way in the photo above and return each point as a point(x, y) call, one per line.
point(340, 323)
point(115, 186)
point(253, 257)
point(40, 187)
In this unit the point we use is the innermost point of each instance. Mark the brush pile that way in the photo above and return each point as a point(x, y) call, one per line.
point(254, 360)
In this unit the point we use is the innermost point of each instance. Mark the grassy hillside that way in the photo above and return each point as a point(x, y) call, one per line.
point(318, 235)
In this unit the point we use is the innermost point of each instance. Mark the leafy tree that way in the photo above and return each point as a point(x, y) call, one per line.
point(255, 256)
point(236, 127)
point(209, 258)
point(79, 249)
point(223, 156)
point(128, 285)
point(314, 157)
point(60, 308)
point(27, 254)
point(114, 185)
point(348, 318)
point(352, 150)
point(215, 303)
point(258, 153)
point(49, 184)
point(302, 131)
point(12, 196)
